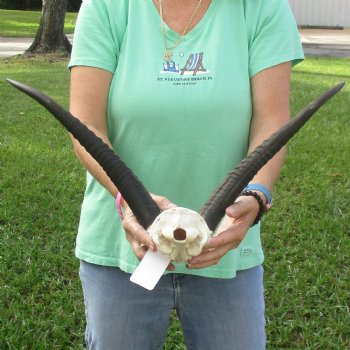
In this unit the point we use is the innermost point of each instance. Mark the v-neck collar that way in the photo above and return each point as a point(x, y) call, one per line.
point(171, 34)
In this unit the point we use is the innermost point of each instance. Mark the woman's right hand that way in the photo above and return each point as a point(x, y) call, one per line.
point(136, 235)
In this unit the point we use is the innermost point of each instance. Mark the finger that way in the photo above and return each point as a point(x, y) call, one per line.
point(242, 207)
point(236, 209)
point(163, 202)
point(139, 250)
point(138, 233)
point(171, 267)
point(206, 259)
point(225, 224)
point(232, 237)
point(202, 265)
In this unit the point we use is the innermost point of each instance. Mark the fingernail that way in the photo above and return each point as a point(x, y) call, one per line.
point(229, 212)
point(153, 247)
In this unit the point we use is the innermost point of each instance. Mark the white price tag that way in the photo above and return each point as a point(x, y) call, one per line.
point(150, 269)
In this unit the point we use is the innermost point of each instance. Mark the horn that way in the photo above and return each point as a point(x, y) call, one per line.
point(231, 187)
point(133, 191)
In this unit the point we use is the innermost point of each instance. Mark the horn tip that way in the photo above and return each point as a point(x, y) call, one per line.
point(11, 81)
point(15, 83)
point(338, 87)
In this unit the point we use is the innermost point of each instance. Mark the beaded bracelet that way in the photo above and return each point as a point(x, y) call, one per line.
point(261, 188)
point(261, 204)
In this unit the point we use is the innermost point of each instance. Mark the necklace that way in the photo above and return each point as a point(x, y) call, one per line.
point(168, 54)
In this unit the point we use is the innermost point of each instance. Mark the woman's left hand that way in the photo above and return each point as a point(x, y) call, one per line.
point(232, 230)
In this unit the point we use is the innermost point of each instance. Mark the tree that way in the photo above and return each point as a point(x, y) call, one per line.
point(50, 37)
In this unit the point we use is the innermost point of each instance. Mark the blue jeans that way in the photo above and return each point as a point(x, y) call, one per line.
point(215, 314)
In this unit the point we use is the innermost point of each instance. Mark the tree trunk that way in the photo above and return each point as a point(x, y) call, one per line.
point(50, 37)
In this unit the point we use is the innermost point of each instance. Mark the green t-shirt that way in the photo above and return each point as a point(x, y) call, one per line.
point(181, 127)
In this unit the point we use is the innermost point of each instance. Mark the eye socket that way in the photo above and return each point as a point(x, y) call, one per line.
point(180, 234)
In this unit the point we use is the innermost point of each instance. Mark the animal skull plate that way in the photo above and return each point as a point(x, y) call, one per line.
point(179, 233)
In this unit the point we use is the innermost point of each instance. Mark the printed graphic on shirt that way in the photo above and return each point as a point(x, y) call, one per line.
point(193, 66)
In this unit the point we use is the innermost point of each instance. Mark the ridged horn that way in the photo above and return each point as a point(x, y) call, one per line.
point(133, 191)
point(231, 187)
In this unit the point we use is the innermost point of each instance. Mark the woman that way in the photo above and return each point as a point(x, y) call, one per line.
point(181, 90)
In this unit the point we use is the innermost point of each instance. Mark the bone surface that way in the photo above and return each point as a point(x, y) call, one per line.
point(179, 233)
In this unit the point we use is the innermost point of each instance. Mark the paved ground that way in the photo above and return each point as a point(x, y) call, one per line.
point(332, 43)
point(15, 46)
point(316, 42)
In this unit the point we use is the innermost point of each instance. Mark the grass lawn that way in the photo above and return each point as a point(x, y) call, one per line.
point(306, 235)
point(26, 23)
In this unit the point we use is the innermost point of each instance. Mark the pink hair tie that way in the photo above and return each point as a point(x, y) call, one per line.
point(118, 203)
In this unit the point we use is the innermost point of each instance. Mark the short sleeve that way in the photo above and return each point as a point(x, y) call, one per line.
point(99, 34)
point(273, 35)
